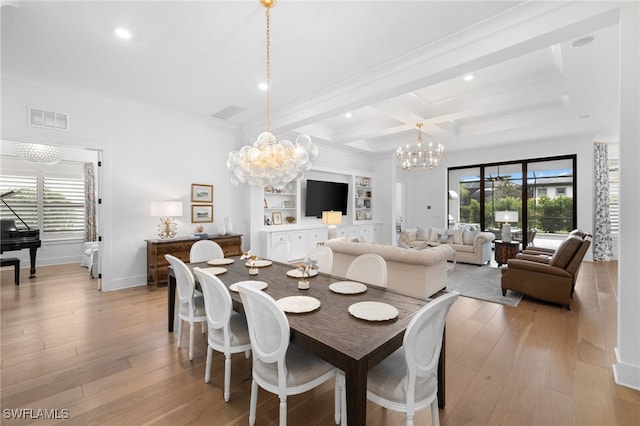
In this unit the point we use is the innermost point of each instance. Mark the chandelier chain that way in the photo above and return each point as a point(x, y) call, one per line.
point(268, 71)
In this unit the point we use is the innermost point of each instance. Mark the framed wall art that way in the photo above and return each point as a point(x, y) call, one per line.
point(201, 193)
point(276, 218)
point(201, 213)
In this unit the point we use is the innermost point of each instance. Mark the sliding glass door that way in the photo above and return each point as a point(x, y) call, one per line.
point(539, 208)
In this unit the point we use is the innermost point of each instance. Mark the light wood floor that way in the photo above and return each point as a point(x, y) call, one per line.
point(107, 358)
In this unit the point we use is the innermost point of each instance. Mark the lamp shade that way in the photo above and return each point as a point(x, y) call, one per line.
point(332, 217)
point(166, 208)
point(507, 216)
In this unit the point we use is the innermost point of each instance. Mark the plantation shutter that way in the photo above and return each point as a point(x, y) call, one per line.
point(24, 202)
point(62, 205)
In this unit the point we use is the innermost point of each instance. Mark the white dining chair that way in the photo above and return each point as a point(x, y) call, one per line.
point(228, 332)
point(204, 250)
point(279, 367)
point(407, 380)
point(323, 255)
point(368, 268)
point(190, 304)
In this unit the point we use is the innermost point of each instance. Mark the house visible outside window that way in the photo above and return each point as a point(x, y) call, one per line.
point(542, 191)
point(561, 191)
point(52, 203)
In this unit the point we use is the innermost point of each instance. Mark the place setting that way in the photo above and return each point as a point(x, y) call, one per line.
point(256, 285)
point(298, 304)
point(373, 311)
point(220, 262)
point(215, 271)
point(347, 287)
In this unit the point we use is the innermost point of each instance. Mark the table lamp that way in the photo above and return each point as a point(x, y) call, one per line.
point(166, 211)
point(332, 218)
point(505, 217)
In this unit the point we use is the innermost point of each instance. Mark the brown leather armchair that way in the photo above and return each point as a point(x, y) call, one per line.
point(548, 251)
point(551, 279)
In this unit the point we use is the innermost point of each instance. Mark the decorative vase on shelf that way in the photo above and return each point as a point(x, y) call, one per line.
point(228, 225)
point(222, 230)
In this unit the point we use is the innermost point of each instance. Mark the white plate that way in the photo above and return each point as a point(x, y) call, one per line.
point(348, 287)
point(260, 263)
point(258, 285)
point(297, 273)
point(223, 261)
point(373, 311)
point(215, 271)
point(298, 304)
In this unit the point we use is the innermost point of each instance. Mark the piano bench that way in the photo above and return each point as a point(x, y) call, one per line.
point(15, 262)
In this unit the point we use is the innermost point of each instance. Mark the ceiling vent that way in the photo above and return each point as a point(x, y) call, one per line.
point(228, 112)
point(48, 119)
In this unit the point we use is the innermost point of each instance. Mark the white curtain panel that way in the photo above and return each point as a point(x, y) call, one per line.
point(602, 239)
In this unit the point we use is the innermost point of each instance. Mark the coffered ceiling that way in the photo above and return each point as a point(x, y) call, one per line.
point(390, 64)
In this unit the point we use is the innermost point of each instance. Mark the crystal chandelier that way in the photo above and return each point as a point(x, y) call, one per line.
point(420, 156)
point(269, 161)
point(38, 154)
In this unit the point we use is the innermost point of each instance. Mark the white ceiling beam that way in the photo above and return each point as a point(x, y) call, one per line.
point(533, 26)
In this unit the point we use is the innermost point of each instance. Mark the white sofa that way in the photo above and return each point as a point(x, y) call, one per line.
point(418, 273)
point(470, 246)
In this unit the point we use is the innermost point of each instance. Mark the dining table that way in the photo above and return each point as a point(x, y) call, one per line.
point(330, 331)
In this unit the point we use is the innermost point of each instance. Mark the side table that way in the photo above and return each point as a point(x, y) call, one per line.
point(506, 250)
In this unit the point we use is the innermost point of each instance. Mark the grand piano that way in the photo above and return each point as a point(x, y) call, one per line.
point(14, 238)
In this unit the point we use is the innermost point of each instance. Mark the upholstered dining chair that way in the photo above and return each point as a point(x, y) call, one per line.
point(190, 304)
point(323, 255)
point(204, 250)
point(407, 380)
point(228, 332)
point(279, 367)
point(368, 268)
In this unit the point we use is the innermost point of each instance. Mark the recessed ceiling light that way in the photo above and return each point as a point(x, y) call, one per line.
point(348, 115)
point(468, 77)
point(263, 86)
point(581, 42)
point(123, 33)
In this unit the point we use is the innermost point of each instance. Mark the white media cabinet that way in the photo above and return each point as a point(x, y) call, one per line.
point(293, 244)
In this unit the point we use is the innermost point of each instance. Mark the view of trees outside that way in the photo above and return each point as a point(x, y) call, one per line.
point(547, 213)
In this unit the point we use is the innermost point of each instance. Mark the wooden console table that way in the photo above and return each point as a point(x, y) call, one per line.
point(158, 267)
point(506, 250)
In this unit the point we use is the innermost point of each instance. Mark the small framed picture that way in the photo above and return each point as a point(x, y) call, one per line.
point(359, 215)
point(276, 218)
point(201, 213)
point(365, 182)
point(201, 193)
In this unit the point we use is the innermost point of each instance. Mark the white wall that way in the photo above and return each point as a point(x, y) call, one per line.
point(150, 154)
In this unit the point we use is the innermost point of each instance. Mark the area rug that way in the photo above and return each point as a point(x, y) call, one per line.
point(480, 282)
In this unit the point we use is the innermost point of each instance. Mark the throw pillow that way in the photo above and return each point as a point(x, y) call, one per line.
point(406, 236)
point(403, 244)
point(457, 236)
point(422, 246)
point(468, 237)
point(422, 234)
point(433, 235)
point(444, 237)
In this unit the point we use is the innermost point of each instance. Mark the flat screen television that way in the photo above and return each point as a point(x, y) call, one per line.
point(325, 196)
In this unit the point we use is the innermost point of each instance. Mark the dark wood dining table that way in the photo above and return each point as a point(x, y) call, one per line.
point(331, 332)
